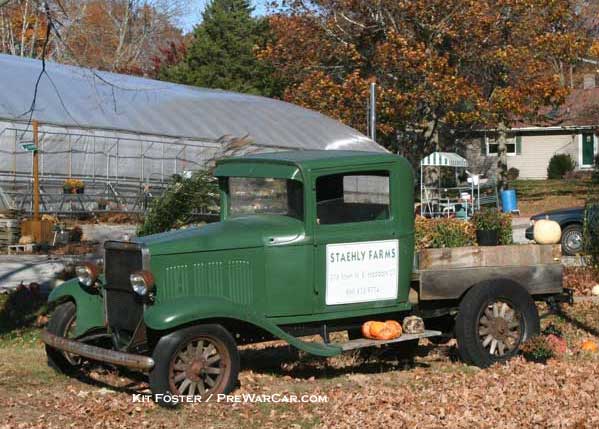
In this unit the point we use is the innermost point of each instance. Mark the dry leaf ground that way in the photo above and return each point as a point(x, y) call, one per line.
point(372, 389)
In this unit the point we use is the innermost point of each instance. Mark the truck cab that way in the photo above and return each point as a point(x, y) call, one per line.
point(308, 243)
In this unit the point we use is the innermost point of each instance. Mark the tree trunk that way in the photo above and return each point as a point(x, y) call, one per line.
point(502, 157)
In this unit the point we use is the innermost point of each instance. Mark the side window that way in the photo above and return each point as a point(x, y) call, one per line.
point(352, 197)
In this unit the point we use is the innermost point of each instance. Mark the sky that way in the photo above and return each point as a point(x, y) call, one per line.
point(197, 6)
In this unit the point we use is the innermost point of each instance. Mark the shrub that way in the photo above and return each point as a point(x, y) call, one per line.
point(183, 198)
point(595, 176)
point(537, 349)
point(513, 173)
point(443, 232)
point(559, 165)
point(591, 230)
point(551, 329)
point(506, 236)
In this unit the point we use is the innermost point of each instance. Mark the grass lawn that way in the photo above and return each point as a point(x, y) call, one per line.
point(535, 196)
point(372, 388)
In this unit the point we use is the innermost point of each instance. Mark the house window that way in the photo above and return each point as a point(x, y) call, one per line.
point(493, 146)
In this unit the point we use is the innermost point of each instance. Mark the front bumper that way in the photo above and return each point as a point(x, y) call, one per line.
point(129, 360)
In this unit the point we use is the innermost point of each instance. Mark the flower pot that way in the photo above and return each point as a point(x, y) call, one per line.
point(487, 238)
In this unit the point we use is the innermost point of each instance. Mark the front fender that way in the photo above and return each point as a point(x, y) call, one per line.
point(90, 307)
point(181, 311)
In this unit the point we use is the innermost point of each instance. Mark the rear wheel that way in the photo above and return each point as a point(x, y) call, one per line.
point(63, 323)
point(199, 360)
point(494, 319)
point(572, 240)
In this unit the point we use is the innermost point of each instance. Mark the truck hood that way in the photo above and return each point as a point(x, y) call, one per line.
point(235, 233)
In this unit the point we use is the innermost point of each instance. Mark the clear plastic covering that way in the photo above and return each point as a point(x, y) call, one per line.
point(86, 99)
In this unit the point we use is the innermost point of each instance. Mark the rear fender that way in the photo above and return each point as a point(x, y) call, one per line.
point(183, 311)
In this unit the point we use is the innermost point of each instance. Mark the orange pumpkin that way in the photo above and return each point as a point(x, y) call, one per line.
point(366, 329)
point(589, 346)
point(388, 330)
point(376, 328)
point(395, 325)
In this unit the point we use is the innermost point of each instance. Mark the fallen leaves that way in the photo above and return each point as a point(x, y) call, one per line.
point(368, 389)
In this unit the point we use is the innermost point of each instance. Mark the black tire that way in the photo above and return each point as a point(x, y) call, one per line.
point(516, 321)
point(572, 240)
point(169, 363)
point(61, 322)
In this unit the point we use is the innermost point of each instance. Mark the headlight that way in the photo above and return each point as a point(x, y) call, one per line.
point(142, 282)
point(87, 274)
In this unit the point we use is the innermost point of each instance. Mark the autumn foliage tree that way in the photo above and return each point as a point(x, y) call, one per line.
point(126, 36)
point(439, 64)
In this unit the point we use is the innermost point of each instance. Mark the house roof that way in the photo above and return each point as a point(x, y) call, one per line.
point(83, 98)
point(580, 110)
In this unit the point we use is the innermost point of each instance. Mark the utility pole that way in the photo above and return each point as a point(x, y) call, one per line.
point(36, 175)
point(372, 112)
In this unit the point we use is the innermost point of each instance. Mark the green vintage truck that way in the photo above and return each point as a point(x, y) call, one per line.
point(309, 242)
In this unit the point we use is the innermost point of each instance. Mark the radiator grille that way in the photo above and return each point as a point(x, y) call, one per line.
point(124, 308)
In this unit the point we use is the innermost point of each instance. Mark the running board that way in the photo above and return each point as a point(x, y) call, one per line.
point(365, 342)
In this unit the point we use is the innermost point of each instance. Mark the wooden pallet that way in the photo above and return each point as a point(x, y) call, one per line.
point(365, 342)
point(20, 248)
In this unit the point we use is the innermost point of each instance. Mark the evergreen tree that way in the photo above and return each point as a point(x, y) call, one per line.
point(222, 52)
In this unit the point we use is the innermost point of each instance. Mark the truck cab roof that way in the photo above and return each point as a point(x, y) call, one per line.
point(291, 163)
point(310, 159)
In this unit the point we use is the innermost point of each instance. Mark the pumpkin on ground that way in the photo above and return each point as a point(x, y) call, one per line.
point(547, 231)
point(589, 346)
point(376, 330)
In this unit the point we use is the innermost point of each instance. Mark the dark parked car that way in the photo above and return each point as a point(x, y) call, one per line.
point(571, 221)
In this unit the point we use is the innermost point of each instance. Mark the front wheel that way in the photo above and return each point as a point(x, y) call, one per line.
point(494, 319)
point(200, 360)
point(63, 323)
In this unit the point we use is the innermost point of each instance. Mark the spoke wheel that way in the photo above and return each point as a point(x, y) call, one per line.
point(199, 367)
point(63, 323)
point(198, 360)
point(500, 328)
point(493, 319)
point(70, 330)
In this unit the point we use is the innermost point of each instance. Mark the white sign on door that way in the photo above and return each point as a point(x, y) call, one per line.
point(362, 272)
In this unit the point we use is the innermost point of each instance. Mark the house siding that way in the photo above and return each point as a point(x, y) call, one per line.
point(536, 151)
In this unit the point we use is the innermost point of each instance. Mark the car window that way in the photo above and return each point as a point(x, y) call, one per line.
point(352, 197)
point(252, 196)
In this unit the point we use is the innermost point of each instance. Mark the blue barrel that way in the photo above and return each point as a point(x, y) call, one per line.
point(509, 202)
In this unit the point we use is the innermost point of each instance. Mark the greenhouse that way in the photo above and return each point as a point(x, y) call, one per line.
point(110, 142)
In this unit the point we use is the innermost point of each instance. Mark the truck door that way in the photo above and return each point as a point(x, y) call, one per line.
point(356, 244)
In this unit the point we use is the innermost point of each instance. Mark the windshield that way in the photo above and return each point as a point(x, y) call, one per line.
point(257, 195)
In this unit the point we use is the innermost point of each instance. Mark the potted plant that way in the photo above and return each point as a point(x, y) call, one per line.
point(73, 186)
point(488, 227)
